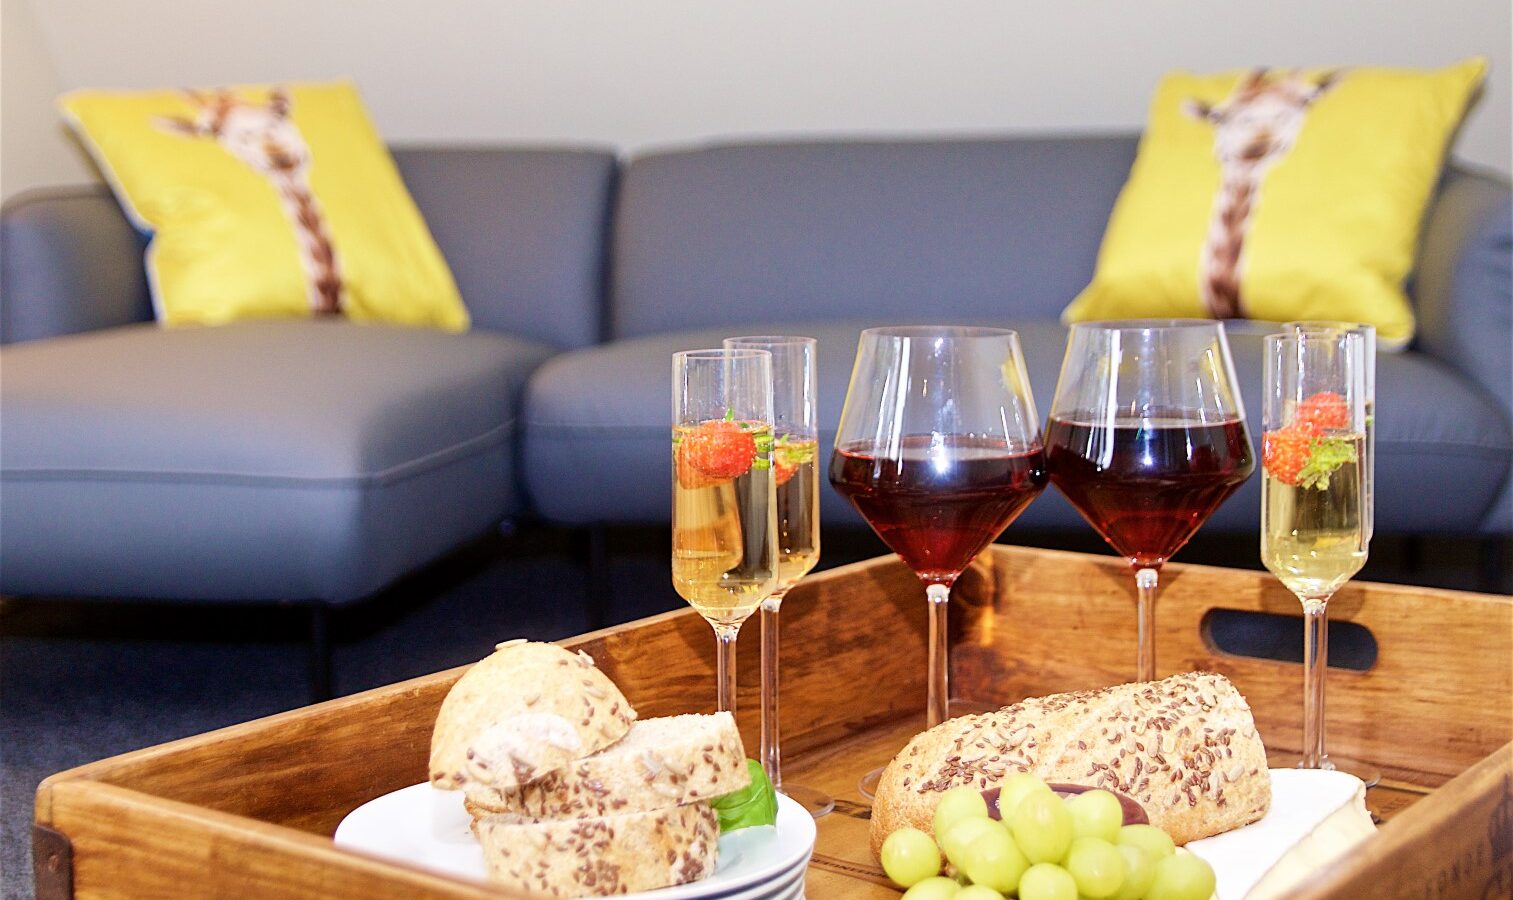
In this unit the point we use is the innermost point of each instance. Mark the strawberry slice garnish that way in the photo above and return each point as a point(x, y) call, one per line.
point(718, 450)
point(1324, 411)
point(1285, 451)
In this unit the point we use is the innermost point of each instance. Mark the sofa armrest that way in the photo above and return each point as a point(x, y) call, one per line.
point(70, 261)
point(1464, 286)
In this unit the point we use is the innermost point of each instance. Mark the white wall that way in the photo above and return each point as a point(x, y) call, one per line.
point(634, 73)
point(33, 146)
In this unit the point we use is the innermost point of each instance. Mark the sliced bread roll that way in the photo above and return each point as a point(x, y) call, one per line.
point(600, 856)
point(523, 712)
point(661, 762)
point(1185, 749)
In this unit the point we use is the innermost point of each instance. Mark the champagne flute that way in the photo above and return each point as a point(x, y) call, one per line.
point(724, 512)
point(1315, 491)
point(795, 442)
point(1146, 439)
point(939, 450)
point(1368, 348)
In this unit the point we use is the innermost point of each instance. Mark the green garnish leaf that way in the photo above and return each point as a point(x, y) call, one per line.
point(730, 414)
point(1325, 456)
point(761, 462)
point(754, 804)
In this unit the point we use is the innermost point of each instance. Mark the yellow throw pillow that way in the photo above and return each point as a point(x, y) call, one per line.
point(1280, 195)
point(267, 202)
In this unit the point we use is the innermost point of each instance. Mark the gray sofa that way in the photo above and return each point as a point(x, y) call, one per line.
point(316, 462)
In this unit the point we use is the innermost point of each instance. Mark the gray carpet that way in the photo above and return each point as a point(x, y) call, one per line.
point(79, 682)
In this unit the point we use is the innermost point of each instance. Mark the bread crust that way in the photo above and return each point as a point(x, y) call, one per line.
point(524, 711)
point(662, 762)
point(1185, 748)
point(599, 856)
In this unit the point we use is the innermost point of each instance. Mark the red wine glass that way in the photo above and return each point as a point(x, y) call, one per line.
point(939, 450)
point(1146, 439)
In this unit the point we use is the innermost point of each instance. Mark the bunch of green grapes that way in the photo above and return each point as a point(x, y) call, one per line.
point(1044, 848)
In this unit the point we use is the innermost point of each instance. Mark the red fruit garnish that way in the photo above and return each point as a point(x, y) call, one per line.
point(688, 476)
point(783, 472)
point(718, 449)
point(1323, 411)
point(1285, 451)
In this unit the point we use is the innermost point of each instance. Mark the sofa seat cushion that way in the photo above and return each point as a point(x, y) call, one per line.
point(597, 430)
point(261, 460)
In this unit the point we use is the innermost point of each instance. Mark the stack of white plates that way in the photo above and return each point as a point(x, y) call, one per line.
point(425, 827)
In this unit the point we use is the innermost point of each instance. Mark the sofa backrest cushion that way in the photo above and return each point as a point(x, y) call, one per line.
point(977, 229)
point(523, 231)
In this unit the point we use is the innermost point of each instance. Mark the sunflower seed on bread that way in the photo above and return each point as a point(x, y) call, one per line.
point(661, 762)
point(1185, 748)
point(523, 712)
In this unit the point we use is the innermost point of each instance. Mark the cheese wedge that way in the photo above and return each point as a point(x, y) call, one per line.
point(1315, 818)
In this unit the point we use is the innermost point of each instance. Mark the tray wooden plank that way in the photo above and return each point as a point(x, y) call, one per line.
point(248, 810)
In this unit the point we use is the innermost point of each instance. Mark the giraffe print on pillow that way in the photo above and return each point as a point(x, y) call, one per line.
point(1254, 128)
point(266, 140)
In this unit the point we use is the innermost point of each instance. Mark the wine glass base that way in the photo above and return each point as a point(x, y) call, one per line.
point(815, 803)
point(1366, 772)
point(867, 785)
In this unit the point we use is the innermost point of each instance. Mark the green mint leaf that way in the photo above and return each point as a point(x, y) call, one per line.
point(754, 804)
point(1325, 456)
point(730, 414)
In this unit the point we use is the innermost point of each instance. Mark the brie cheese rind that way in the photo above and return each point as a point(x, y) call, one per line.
point(1316, 817)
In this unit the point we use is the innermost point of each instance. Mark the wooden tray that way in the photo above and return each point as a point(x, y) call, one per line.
point(248, 810)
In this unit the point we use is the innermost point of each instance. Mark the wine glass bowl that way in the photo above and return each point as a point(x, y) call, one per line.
point(938, 449)
point(1147, 438)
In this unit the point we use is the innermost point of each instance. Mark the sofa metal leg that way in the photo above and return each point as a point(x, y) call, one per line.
point(592, 546)
point(320, 652)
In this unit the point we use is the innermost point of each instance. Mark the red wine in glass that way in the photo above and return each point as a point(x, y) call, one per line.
point(938, 500)
point(1148, 483)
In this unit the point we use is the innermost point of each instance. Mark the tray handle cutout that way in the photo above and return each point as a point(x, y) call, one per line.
point(1261, 635)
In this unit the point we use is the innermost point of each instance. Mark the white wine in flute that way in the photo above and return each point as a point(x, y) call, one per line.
point(722, 562)
point(1313, 537)
point(798, 493)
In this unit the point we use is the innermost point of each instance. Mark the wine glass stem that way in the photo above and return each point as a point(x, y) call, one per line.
point(1145, 627)
point(725, 637)
point(1315, 665)
point(772, 757)
point(937, 690)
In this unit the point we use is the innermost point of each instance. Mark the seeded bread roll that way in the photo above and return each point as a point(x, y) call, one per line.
point(523, 712)
point(662, 762)
point(1185, 749)
point(616, 854)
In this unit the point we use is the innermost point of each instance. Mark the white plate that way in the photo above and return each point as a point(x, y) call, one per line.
point(426, 827)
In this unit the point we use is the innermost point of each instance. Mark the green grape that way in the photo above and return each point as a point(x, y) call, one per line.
point(1014, 789)
point(1155, 842)
point(955, 842)
point(977, 892)
point(910, 856)
point(963, 802)
point(1182, 876)
point(1096, 866)
point(1139, 872)
point(934, 888)
point(1044, 881)
point(1042, 828)
point(1096, 814)
point(992, 859)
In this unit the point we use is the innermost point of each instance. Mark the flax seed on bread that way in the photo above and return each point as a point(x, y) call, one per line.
point(1185, 748)
point(526, 710)
point(661, 762)
point(603, 855)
